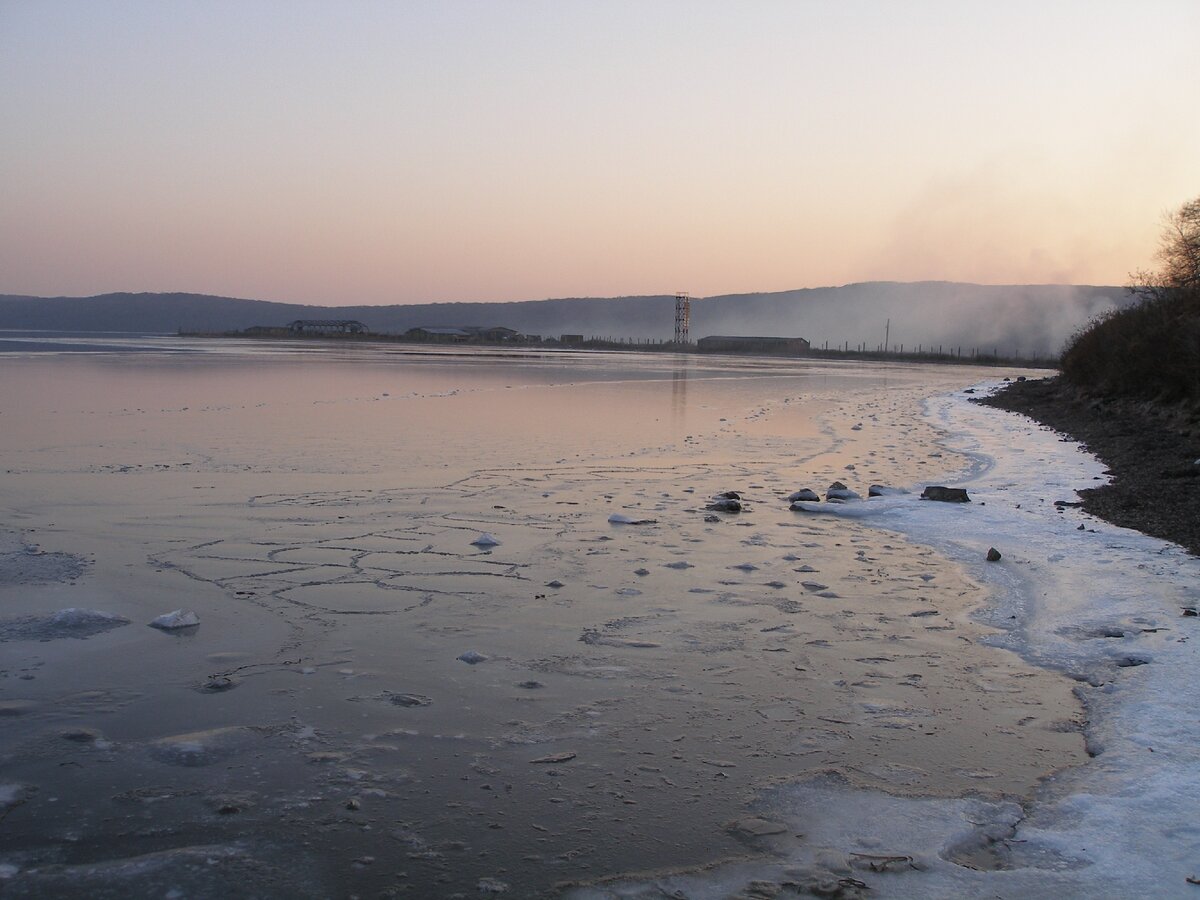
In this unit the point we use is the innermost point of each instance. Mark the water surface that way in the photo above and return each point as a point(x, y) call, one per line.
point(641, 685)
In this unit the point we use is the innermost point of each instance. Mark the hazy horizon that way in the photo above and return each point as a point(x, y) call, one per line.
point(372, 153)
point(637, 294)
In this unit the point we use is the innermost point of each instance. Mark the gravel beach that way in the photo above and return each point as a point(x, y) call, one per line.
point(1152, 453)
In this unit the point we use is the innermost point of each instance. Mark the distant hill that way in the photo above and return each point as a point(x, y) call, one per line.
point(1030, 319)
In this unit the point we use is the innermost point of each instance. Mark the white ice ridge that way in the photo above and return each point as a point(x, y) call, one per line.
point(1103, 605)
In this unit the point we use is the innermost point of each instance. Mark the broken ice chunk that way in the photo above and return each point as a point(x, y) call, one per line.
point(173, 621)
point(485, 540)
point(202, 748)
point(622, 519)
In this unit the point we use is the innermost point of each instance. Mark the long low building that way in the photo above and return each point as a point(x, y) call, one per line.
point(327, 326)
point(460, 333)
point(781, 346)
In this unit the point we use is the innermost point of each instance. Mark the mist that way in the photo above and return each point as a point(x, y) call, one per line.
point(1029, 320)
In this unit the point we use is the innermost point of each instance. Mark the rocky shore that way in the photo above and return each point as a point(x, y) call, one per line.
point(1152, 452)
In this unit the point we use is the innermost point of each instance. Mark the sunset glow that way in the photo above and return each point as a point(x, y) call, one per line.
point(401, 153)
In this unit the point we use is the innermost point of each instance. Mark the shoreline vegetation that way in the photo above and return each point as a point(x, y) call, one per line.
point(1130, 392)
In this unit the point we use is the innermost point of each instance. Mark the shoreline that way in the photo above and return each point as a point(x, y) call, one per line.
point(950, 356)
point(1152, 455)
point(1059, 604)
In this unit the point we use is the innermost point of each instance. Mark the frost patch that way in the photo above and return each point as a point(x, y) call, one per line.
point(29, 565)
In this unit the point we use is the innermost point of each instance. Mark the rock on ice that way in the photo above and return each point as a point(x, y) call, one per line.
point(485, 540)
point(804, 495)
point(839, 491)
point(945, 494)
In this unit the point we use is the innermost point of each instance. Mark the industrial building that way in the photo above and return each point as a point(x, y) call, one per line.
point(464, 333)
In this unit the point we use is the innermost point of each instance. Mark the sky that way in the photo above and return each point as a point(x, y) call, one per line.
point(407, 152)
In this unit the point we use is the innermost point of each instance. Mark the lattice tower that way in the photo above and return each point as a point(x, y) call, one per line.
point(683, 316)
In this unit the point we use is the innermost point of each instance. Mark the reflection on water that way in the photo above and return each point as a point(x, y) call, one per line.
point(679, 380)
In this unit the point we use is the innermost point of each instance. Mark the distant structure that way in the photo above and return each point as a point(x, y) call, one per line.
point(775, 346)
point(327, 326)
point(496, 334)
point(438, 334)
point(683, 317)
point(571, 339)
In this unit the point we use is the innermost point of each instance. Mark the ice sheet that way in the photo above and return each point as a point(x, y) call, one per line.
point(1102, 604)
point(317, 515)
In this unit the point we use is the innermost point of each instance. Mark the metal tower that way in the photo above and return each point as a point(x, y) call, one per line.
point(683, 316)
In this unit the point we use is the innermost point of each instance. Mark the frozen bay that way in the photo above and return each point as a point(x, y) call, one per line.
point(376, 702)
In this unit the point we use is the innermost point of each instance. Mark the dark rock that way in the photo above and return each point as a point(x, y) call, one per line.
point(838, 491)
point(726, 504)
point(945, 494)
point(554, 758)
point(410, 700)
point(993, 555)
point(804, 495)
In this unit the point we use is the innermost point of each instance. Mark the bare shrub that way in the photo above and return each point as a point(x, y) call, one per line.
point(1150, 350)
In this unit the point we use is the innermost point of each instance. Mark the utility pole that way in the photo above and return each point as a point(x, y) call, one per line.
point(887, 330)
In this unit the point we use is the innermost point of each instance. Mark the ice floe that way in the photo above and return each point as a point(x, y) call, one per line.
point(66, 623)
point(174, 621)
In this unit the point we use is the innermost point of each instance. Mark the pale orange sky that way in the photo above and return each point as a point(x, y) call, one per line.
point(377, 152)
